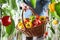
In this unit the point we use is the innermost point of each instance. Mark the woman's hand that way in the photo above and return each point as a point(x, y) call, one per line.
point(25, 7)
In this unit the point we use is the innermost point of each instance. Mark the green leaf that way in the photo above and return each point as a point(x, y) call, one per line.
point(3, 12)
point(57, 8)
point(3, 34)
point(6, 11)
point(52, 13)
point(33, 2)
point(2, 1)
point(7, 1)
point(59, 27)
point(49, 38)
point(13, 4)
point(52, 29)
point(10, 28)
point(55, 14)
point(52, 1)
point(32, 18)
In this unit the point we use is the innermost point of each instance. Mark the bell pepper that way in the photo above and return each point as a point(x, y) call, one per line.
point(37, 23)
point(6, 20)
point(20, 26)
point(26, 20)
point(52, 7)
point(29, 25)
point(32, 18)
point(42, 18)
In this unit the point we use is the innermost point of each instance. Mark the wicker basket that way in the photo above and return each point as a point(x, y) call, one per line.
point(35, 31)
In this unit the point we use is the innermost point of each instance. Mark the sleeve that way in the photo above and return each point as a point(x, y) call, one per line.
point(28, 13)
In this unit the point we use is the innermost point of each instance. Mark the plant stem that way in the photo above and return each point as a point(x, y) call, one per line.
point(0, 21)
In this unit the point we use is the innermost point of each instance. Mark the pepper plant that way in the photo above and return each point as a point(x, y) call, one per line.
point(6, 16)
point(54, 15)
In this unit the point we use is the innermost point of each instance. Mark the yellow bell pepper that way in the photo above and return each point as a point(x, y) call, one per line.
point(20, 26)
point(29, 25)
point(42, 18)
point(52, 7)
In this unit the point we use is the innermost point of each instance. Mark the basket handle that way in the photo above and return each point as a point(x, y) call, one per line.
point(33, 12)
